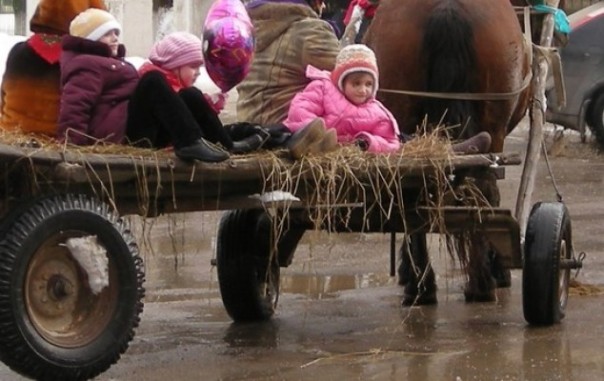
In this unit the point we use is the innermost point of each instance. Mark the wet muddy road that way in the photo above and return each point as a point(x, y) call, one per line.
point(339, 315)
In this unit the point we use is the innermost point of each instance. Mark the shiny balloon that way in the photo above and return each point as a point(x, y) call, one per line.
point(228, 43)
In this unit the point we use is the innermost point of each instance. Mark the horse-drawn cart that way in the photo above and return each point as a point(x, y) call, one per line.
point(71, 278)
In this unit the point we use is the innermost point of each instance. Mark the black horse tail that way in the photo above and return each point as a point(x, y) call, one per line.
point(449, 59)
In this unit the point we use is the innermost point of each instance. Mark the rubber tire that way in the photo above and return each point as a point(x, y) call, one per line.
point(249, 292)
point(544, 283)
point(15, 210)
point(597, 119)
point(25, 348)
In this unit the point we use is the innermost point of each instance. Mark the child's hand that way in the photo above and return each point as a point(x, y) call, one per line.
point(363, 144)
point(218, 101)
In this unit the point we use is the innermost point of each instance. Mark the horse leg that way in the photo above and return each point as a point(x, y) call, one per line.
point(404, 265)
point(481, 285)
point(420, 287)
point(487, 183)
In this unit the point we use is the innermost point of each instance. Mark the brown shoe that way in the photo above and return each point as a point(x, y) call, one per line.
point(479, 143)
point(301, 141)
point(328, 143)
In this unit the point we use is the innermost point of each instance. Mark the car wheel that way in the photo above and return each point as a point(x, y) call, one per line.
point(597, 119)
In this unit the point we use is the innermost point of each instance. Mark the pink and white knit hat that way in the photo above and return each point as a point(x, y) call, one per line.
point(177, 49)
point(353, 59)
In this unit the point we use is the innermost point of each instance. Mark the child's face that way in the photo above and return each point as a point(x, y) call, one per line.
point(188, 74)
point(111, 38)
point(358, 87)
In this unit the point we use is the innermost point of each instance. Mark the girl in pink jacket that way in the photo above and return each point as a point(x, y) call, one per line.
point(342, 101)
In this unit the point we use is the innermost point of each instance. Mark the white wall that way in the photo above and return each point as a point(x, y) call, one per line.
point(137, 19)
point(30, 7)
point(7, 23)
point(138, 22)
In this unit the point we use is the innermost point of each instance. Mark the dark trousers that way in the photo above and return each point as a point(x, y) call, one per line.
point(205, 116)
point(159, 117)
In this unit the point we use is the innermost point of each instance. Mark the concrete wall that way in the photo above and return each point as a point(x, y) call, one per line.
point(136, 18)
point(190, 15)
point(140, 25)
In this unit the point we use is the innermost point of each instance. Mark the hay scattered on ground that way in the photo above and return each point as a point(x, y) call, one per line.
point(584, 289)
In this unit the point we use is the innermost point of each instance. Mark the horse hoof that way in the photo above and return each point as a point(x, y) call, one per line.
point(479, 297)
point(501, 274)
point(403, 274)
point(503, 279)
point(424, 299)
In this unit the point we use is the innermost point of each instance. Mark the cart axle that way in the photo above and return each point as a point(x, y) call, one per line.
point(573, 263)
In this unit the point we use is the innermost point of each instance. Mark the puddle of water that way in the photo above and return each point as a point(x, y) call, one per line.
point(328, 286)
point(175, 295)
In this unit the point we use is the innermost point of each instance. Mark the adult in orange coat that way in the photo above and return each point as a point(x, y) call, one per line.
point(30, 91)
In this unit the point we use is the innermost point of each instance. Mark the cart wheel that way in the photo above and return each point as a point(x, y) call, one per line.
point(248, 274)
point(54, 325)
point(15, 210)
point(597, 119)
point(545, 281)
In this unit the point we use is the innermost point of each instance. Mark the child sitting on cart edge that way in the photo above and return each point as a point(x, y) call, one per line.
point(340, 107)
point(104, 98)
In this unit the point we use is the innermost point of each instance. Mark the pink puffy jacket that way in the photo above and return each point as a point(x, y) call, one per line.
point(370, 121)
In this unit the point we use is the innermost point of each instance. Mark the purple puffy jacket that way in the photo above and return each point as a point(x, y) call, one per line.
point(95, 89)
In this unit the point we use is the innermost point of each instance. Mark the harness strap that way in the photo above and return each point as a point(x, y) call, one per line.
point(467, 96)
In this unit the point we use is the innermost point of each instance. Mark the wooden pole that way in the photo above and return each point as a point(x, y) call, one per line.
point(537, 116)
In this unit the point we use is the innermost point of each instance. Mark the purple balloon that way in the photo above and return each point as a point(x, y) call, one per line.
point(228, 43)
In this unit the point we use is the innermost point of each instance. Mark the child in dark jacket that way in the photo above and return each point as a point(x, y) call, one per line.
point(104, 99)
point(96, 82)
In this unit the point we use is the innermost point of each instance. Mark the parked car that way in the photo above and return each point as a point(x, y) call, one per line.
point(583, 72)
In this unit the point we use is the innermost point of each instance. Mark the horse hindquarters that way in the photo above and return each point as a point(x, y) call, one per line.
point(449, 58)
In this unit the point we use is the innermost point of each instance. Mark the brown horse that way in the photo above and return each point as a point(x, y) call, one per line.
point(458, 46)
point(473, 60)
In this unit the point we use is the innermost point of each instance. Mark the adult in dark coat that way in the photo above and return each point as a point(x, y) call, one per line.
point(289, 37)
point(29, 95)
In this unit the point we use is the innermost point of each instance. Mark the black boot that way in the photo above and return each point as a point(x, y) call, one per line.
point(278, 136)
point(203, 151)
point(249, 144)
